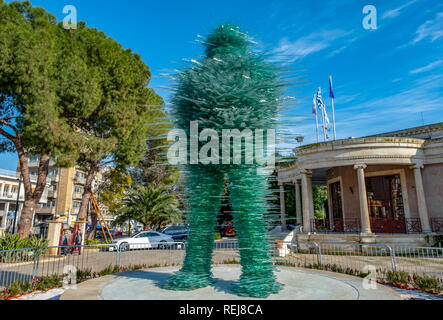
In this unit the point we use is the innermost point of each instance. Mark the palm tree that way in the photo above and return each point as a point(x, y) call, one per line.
point(151, 206)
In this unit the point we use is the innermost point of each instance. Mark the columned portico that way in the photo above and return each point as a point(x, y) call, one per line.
point(421, 200)
point(282, 206)
point(380, 188)
point(298, 202)
point(364, 212)
point(308, 205)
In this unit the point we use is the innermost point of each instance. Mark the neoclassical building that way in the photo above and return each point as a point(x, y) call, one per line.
point(381, 188)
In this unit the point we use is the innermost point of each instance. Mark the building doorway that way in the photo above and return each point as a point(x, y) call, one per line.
point(385, 202)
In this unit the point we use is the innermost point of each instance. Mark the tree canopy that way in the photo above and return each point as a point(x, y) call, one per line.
point(74, 95)
point(34, 84)
point(153, 207)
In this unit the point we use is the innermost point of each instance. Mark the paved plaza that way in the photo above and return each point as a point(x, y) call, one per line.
point(299, 285)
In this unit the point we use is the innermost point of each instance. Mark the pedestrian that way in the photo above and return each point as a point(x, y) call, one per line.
point(78, 240)
point(64, 243)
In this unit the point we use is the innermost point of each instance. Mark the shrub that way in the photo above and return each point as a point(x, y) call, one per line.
point(83, 275)
point(12, 241)
point(96, 241)
point(426, 283)
point(108, 270)
point(398, 277)
point(232, 261)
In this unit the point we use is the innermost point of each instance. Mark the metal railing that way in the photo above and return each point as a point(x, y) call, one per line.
point(357, 257)
point(16, 265)
point(354, 258)
point(437, 224)
point(378, 225)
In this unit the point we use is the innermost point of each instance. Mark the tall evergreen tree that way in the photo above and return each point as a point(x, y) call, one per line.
point(125, 113)
point(39, 86)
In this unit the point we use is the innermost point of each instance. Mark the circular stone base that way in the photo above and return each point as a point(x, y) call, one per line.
point(299, 284)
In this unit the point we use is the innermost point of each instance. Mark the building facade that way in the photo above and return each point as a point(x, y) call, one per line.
point(386, 187)
point(10, 188)
point(65, 192)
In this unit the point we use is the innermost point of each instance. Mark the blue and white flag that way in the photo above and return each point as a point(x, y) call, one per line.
point(314, 105)
point(322, 106)
point(331, 93)
point(319, 99)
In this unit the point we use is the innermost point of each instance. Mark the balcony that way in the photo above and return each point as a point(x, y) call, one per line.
point(45, 211)
point(8, 195)
point(36, 163)
point(54, 178)
point(79, 180)
point(77, 195)
point(52, 194)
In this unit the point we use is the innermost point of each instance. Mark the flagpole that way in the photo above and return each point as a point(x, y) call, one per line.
point(316, 117)
point(332, 104)
point(323, 123)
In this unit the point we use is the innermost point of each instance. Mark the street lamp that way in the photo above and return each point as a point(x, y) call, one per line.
point(299, 139)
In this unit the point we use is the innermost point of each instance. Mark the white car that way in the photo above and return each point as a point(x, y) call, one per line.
point(143, 240)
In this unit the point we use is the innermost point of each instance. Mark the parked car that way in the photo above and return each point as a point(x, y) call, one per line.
point(143, 240)
point(178, 233)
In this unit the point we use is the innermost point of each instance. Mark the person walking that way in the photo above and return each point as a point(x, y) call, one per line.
point(78, 241)
point(64, 243)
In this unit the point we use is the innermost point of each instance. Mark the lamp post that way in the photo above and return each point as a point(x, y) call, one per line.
point(16, 203)
point(299, 139)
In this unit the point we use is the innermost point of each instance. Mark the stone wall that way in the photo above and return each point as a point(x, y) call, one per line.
point(433, 185)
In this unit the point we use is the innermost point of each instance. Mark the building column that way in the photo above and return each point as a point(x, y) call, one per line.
point(298, 202)
point(364, 211)
point(6, 212)
point(421, 200)
point(282, 206)
point(5, 217)
point(308, 205)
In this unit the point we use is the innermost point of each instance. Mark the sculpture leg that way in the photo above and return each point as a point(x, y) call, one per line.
point(248, 193)
point(205, 186)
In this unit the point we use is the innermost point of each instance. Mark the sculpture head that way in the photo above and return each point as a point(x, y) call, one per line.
point(227, 39)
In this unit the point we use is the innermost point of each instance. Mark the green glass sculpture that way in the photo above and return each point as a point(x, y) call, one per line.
point(232, 87)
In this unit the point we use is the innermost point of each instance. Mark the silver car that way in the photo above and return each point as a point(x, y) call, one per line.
point(143, 240)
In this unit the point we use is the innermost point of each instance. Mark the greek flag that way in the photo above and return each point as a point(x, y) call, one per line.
point(314, 105)
point(322, 106)
point(319, 99)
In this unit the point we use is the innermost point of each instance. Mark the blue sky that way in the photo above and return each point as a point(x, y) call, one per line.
point(385, 79)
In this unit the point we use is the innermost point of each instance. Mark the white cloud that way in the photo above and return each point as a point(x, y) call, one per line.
point(314, 42)
point(432, 29)
point(395, 12)
point(427, 67)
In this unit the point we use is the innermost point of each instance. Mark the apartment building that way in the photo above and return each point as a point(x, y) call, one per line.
point(65, 192)
point(9, 190)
